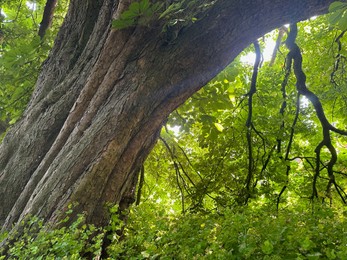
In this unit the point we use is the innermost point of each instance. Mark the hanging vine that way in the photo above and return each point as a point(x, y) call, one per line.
point(294, 58)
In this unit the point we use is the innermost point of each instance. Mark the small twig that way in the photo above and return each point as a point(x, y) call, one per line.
point(141, 182)
point(281, 32)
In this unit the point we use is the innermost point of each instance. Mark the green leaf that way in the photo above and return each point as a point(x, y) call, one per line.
point(232, 98)
point(219, 127)
point(306, 243)
point(331, 253)
point(342, 24)
point(134, 8)
point(171, 9)
point(122, 24)
point(335, 17)
point(336, 6)
point(143, 5)
point(138, 13)
point(338, 15)
point(267, 247)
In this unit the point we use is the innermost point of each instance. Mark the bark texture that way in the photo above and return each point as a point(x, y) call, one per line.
point(103, 95)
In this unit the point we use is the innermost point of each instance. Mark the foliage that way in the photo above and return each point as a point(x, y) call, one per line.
point(176, 14)
point(208, 160)
point(254, 232)
point(40, 242)
point(338, 15)
point(22, 53)
point(140, 13)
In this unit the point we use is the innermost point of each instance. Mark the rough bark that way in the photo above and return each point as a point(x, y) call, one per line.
point(103, 94)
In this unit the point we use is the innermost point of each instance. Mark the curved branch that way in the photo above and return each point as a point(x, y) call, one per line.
point(295, 55)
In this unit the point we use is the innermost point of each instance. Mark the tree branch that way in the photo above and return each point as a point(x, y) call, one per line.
point(250, 94)
point(281, 32)
point(47, 17)
point(295, 55)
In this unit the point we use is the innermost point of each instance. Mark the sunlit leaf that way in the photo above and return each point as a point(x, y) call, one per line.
point(219, 127)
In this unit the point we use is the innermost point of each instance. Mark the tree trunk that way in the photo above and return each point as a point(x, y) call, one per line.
point(103, 95)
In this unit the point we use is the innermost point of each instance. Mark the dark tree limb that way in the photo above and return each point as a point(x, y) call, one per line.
point(47, 17)
point(338, 58)
point(288, 67)
point(295, 55)
point(141, 183)
point(289, 146)
point(184, 154)
point(281, 32)
point(178, 173)
point(250, 94)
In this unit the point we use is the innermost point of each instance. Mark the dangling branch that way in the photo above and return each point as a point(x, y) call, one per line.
point(185, 155)
point(338, 58)
point(288, 67)
point(289, 146)
point(295, 55)
point(47, 17)
point(178, 174)
point(249, 124)
point(281, 32)
point(141, 183)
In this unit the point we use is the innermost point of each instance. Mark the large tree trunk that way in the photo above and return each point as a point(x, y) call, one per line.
point(103, 95)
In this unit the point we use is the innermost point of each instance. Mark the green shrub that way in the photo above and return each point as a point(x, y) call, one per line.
point(153, 233)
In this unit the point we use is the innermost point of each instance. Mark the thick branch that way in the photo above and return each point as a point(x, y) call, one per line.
point(47, 17)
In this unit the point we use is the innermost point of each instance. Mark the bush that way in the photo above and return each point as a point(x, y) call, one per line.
point(239, 233)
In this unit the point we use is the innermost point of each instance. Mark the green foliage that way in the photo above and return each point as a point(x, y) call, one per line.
point(138, 13)
point(253, 232)
point(22, 53)
point(175, 14)
point(237, 233)
point(40, 242)
point(338, 15)
point(207, 159)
